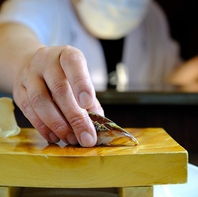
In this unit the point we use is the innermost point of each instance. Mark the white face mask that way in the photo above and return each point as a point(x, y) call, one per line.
point(111, 19)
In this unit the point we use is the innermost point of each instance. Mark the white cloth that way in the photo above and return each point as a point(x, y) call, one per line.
point(149, 52)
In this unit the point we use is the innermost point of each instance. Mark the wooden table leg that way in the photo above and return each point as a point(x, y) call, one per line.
point(146, 191)
point(10, 191)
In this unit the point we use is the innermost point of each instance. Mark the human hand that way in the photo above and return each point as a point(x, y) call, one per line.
point(54, 91)
point(186, 76)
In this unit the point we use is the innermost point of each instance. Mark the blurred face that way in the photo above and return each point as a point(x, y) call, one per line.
point(110, 19)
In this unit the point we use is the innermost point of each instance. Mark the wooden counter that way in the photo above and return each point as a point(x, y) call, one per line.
point(27, 160)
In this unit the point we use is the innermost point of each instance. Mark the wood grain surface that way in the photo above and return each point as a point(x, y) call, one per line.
point(27, 160)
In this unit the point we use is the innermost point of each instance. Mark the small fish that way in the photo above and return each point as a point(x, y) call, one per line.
point(109, 133)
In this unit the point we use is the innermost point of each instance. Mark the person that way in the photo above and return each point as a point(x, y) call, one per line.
point(52, 58)
point(185, 76)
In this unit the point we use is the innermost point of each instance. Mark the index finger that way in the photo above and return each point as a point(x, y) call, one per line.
point(73, 64)
point(60, 85)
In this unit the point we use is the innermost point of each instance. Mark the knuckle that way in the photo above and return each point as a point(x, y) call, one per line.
point(25, 106)
point(40, 126)
point(70, 55)
point(81, 84)
point(59, 89)
point(78, 121)
point(37, 99)
point(42, 129)
point(28, 112)
point(42, 52)
point(58, 127)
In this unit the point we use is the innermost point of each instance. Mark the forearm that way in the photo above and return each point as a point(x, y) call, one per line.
point(17, 45)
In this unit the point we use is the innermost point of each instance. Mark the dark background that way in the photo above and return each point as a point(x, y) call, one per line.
point(182, 17)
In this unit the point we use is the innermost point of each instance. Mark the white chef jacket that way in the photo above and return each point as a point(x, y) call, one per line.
point(149, 53)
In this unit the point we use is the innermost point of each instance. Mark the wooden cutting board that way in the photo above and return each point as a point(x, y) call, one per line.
point(27, 160)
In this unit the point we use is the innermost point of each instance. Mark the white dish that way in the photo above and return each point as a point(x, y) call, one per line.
point(189, 189)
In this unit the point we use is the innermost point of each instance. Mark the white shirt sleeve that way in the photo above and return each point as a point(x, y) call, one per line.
point(55, 23)
point(44, 17)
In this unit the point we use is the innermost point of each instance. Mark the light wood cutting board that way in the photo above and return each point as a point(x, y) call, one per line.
point(27, 160)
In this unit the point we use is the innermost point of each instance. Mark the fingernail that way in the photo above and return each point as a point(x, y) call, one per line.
point(85, 99)
point(86, 139)
point(53, 138)
point(71, 138)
